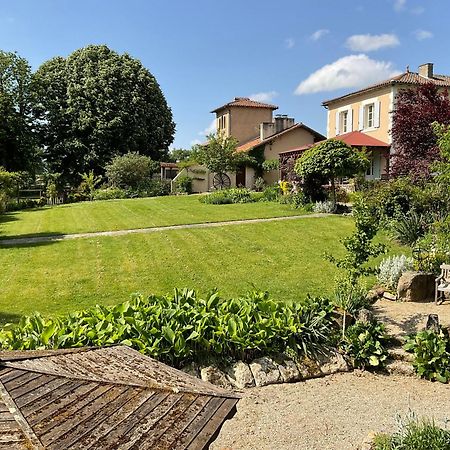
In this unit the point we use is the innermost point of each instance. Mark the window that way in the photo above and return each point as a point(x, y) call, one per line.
point(343, 121)
point(369, 115)
point(222, 123)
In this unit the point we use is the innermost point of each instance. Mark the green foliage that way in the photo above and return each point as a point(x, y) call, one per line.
point(96, 104)
point(180, 154)
point(442, 167)
point(414, 434)
point(18, 150)
point(130, 171)
point(228, 196)
point(185, 327)
point(219, 154)
point(409, 228)
point(271, 164)
point(272, 193)
point(365, 343)
point(9, 185)
point(431, 354)
point(331, 159)
point(260, 184)
point(295, 199)
point(110, 193)
point(359, 246)
point(89, 183)
point(391, 269)
point(184, 185)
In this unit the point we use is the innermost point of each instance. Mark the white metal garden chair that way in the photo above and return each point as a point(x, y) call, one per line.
point(442, 284)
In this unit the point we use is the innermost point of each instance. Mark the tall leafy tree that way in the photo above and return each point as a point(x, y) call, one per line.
point(97, 104)
point(17, 140)
point(331, 159)
point(412, 130)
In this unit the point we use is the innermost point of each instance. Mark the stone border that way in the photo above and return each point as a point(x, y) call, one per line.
point(265, 371)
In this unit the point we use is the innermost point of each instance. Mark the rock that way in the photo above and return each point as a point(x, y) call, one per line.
point(308, 368)
point(416, 287)
point(332, 363)
point(192, 369)
point(215, 376)
point(388, 296)
point(364, 316)
point(289, 371)
point(240, 375)
point(373, 295)
point(265, 371)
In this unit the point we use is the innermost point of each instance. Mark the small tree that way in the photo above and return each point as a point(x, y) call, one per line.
point(89, 182)
point(219, 154)
point(130, 171)
point(331, 159)
point(412, 131)
point(443, 167)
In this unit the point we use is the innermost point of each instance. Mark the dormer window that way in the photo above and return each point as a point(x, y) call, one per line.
point(222, 125)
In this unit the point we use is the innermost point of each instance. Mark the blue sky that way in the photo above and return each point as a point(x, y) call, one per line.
point(205, 52)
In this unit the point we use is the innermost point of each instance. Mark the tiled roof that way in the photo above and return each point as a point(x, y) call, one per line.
point(247, 146)
point(105, 398)
point(245, 102)
point(354, 139)
point(411, 78)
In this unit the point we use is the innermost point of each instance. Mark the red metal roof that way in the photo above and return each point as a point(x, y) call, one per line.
point(354, 139)
point(245, 102)
point(407, 78)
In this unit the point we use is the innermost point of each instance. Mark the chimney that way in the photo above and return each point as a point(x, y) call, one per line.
point(426, 70)
point(282, 122)
point(266, 129)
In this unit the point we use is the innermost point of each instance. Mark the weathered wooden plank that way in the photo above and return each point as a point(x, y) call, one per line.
point(114, 420)
point(121, 434)
point(212, 427)
point(11, 375)
point(57, 411)
point(67, 431)
point(31, 385)
point(12, 436)
point(20, 381)
point(45, 397)
point(35, 396)
point(168, 440)
point(197, 424)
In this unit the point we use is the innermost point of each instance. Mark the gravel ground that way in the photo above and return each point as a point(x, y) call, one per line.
point(331, 413)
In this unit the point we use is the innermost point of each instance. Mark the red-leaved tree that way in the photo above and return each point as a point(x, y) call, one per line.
point(415, 143)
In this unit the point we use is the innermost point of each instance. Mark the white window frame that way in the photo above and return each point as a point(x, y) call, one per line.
point(343, 121)
point(348, 112)
point(369, 115)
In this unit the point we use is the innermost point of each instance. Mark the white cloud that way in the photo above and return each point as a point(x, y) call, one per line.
point(263, 96)
point(348, 72)
point(319, 34)
point(423, 34)
point(289, 42)
point(399, 5)
point(371, 42)
point(210, 129)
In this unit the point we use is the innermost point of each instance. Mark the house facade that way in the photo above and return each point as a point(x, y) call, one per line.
point(369, 111)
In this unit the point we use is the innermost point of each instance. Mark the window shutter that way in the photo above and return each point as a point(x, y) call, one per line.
point(361, 118)
point(350, 120)
point(376, 122)
point(336, 124)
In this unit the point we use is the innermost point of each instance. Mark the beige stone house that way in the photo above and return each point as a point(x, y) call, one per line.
point(259, 133)
point(369, 111)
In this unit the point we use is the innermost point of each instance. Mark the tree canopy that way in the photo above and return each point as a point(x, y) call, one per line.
point(96, 104)
point(17, 140)
point(412, 130)
point(331, 159)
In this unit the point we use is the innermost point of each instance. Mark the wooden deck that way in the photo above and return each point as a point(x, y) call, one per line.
point(113, 398)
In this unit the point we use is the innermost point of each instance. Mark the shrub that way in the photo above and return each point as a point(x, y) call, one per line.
point(155, 188)
point(259, 184)
point(185, 327)
point(414, 434)
point(272, 193)
point(110, 193)
point(130, 171)
point(324, 207)
point(431, 354)
point(409, 228)
point(227, 196)
point(391, 269)
point(365, 343)
point(184, 185)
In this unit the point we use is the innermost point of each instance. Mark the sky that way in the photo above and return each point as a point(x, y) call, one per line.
point(203, 53)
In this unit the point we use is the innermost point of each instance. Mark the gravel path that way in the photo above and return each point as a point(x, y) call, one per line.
point(62, 237)
point(331, 413)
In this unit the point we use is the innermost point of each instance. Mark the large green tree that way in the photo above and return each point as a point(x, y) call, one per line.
point(96, 104)
point(17, 143)
point(331, 159)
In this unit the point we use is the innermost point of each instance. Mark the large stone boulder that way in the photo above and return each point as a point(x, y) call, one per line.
point(416, 287)
point(265, 371)
point(289, 371)
point(215, 376)
point(240, 375)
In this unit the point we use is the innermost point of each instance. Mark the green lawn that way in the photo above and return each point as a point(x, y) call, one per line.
point(285, 258)
point(131, 213)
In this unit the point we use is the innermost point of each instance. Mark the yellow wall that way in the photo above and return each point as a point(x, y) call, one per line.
point(243, 123)
point(384, 96)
